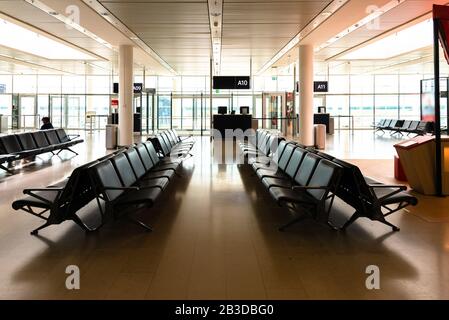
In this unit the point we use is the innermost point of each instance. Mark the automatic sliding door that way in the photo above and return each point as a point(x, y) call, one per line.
point(27, 111)
point(187, 113)
point(163, 112)
point(75, 111)
point(56, 111)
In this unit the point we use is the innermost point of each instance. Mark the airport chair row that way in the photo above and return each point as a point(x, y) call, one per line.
point(131, 180)
point(138, 166)
point(370, 198)
point(264, 149)
point(61, 201)
point(302, 181)
point(170, 144)
point(23, 145)
point(402, 127)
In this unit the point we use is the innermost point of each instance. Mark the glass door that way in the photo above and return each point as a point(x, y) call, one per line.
point(74, 112)
point(273, 103)
point(56, 112)
point(27, 112)
point(188, 116)
point(147, 111)
point(164, 103)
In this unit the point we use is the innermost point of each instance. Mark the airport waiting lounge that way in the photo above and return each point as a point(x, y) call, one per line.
point(224, 150)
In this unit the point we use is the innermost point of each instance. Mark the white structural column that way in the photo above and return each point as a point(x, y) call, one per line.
point(306, 95)
point(125, 122)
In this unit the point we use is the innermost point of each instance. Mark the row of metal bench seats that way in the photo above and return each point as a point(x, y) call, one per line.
point(169, 144)
point(307, 181)
point(122, 180)
point(23, 145)
point(404, 126)
point(260, 146)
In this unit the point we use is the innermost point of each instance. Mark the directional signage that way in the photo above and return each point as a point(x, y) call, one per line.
point(229, 83)
point(137, 87)
point(320, 86)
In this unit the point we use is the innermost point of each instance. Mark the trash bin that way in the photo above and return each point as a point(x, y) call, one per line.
point(320, 136)
point(111, 136)
point(331, 125)
point(4, 123)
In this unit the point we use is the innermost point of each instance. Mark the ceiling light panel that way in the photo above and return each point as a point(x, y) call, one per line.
point(369, 20)
point(69, 21)
point(395, 44)
point(216, 26)
point(16, 36)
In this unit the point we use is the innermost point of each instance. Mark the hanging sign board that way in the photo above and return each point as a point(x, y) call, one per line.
point(230, 83)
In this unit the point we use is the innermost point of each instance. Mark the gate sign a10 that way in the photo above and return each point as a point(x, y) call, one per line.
point(231, 82)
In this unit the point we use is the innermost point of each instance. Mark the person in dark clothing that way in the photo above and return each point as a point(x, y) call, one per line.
point(46, 123)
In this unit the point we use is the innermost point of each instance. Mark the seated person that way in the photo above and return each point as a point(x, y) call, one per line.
point(46, 124)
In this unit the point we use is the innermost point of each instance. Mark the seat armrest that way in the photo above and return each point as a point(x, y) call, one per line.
point(74, 136)
point(399, 188)
point(308, 188)
point(31, 193)
point(402, 187)
point(121, 188)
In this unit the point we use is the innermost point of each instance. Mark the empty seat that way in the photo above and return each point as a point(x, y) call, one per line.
point(284, 172)
point(60, 201)
point(299, 175)
point(128, 178)
point(313, 196)
point(370, 198)
point(116, 195)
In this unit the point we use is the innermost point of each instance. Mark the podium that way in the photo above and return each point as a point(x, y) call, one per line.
point(417, 157)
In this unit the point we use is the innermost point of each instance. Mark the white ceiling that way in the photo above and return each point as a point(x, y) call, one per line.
point(177, 32)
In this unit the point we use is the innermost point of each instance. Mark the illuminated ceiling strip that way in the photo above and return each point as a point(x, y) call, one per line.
point(69, 22)
point(108, 16)
point(396, 65)
point(312, 25)
point(393, 45)
point(376, 13)
point(31, 65)
point(215, 8)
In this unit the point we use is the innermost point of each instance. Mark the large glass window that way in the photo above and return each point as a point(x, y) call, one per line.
point(386, 84)
point(5, 104)
point(410, 105)
point(339, 106)
point(386, 107)
point(25, 84)
point(409, 83)
point(339, 84)
point(362, 84)
point(163, 111)
point(74, 84)
point(98, 84)
point(49, 84)
point(5, 84)
point(362, 109)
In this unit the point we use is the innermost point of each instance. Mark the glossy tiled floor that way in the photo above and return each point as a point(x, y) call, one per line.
point(216, 237)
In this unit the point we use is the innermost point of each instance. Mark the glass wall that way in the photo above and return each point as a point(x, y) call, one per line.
point(369, 98)
point(178, 103)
